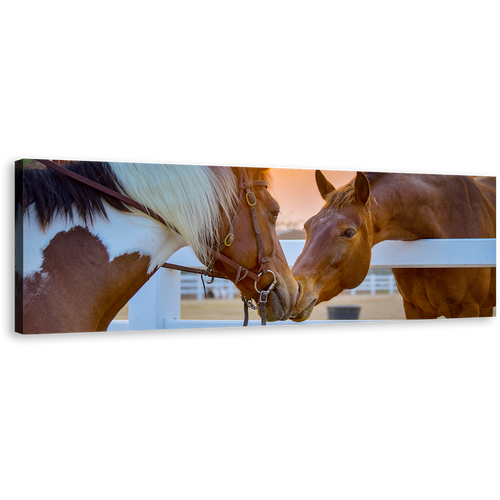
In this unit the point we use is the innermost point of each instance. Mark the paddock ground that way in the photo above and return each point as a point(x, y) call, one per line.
point(381, 306)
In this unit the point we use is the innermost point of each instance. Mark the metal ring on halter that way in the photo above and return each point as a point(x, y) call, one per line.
point(228, 240)
point(272, 284)
point(254, 200)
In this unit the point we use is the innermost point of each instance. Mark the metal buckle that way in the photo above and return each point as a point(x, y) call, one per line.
point(254, 199)
point(228, 240)
point(263, 296)
point(249, 302)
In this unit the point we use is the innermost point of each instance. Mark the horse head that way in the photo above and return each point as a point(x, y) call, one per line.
point(251, 241)
point(337, 252)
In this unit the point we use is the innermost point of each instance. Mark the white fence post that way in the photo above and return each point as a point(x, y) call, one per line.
point(157, 302)
point(392, 283)
point(199, 290)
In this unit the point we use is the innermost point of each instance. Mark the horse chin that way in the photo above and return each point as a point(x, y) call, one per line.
point(305, 313)
point(275, 309)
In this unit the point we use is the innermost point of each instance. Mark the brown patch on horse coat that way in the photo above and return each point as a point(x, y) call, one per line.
point(78, 289)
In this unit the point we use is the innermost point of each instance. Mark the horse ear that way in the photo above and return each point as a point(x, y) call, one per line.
point(325, 187)
point(361, 188)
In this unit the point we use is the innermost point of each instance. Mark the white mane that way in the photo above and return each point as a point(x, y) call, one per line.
point(192, 198)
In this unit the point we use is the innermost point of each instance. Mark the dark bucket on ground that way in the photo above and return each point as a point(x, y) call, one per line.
point(343, 312)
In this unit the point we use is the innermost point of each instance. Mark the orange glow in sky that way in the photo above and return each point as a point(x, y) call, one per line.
point(297, 193)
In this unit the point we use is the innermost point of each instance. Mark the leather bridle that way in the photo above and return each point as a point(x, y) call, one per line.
point(245, 192)
point(245, 188)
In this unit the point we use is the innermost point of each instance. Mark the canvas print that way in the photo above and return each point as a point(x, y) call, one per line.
point(103, 246)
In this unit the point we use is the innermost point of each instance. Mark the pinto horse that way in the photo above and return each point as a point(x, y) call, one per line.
point(81, 253)
point(385, 206)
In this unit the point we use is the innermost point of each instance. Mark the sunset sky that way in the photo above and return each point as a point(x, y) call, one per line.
point(296, 192)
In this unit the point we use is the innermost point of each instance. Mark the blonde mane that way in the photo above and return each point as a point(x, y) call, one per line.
point(194, 199)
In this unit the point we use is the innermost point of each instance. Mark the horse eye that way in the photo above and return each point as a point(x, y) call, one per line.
point(349, 233)
point(275, 214)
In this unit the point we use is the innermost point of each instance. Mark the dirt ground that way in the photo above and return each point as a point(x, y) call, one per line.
point(379, 306)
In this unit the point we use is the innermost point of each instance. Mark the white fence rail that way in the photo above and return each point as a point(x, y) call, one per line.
point(157, 304)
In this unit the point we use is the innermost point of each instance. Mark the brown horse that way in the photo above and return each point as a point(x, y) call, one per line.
point(383, 206)
point(82, 254)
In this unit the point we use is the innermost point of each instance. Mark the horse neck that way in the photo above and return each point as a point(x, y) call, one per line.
point(411, 207)
point(104, 264)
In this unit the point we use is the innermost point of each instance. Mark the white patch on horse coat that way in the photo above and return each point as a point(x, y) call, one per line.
point(123, 233)
point(195, 199)
point(325, 219)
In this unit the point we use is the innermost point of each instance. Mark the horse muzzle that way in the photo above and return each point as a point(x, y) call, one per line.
point(306, 300)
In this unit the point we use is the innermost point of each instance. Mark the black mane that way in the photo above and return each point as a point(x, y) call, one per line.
point(54, 193)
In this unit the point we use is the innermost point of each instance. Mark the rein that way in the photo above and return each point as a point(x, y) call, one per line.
point(241, 272)
point(105, 190)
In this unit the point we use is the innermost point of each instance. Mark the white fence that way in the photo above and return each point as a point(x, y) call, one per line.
point(157, 305)
point(192, 286)
point(374, 283)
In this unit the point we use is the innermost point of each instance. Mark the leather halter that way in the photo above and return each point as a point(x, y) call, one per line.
point(241, 272)
point(245, 187)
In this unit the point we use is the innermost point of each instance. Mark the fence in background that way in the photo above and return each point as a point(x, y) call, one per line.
point(192, 286)
point(374, 283)
point(157, 305)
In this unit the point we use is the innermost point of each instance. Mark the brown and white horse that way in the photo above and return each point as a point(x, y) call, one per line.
point(82, 254)
point(385, 206)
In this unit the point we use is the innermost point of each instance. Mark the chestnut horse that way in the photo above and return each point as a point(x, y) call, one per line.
point(81, 254)
point(384, 206)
